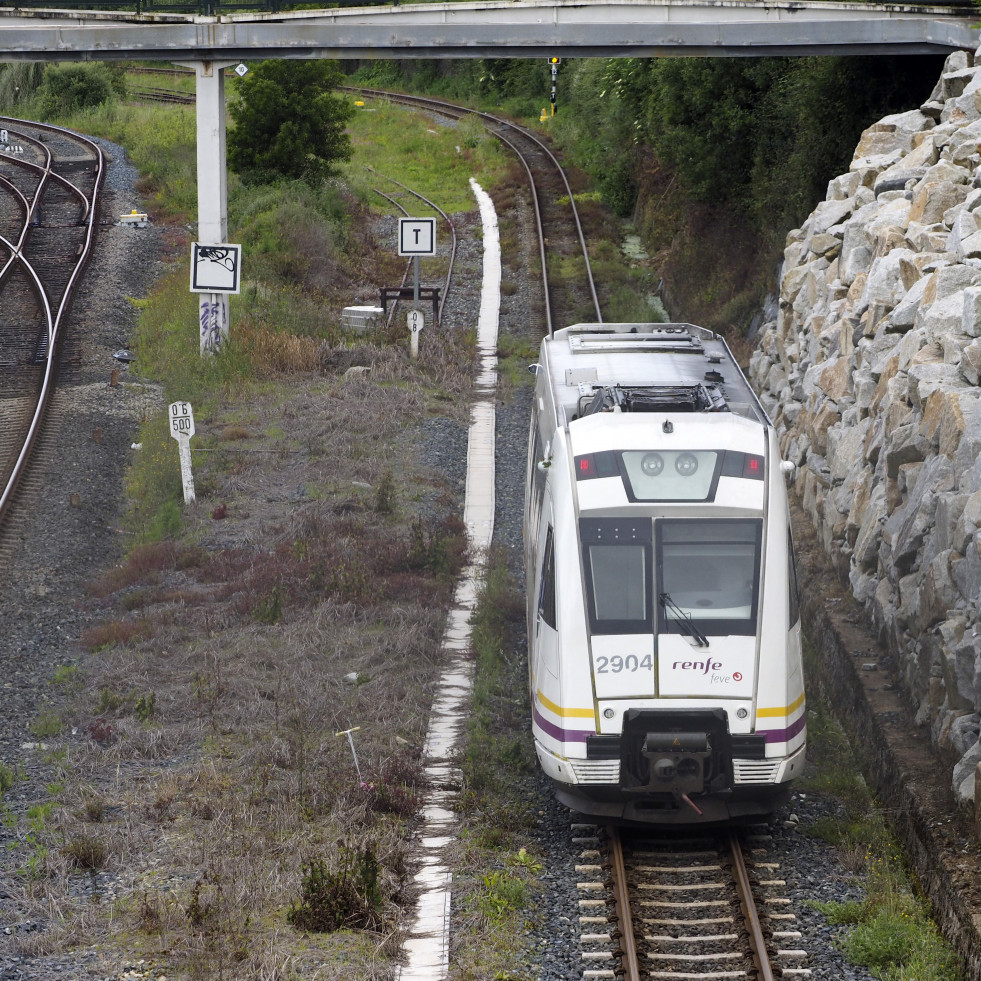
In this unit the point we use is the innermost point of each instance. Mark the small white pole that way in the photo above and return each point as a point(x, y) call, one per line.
point(354, 752)
point(182, 429)
point(416, 322)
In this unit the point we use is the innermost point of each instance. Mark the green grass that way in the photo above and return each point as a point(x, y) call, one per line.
point(890, 931)
point(434, 158)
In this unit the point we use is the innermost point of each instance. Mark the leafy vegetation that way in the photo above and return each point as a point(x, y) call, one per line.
point(890, 930)
point(70, 87)
point(288, 123)
point(715, 160)
point(349, 894)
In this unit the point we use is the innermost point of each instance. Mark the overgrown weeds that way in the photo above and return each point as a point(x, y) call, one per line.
point(890, 930)
point(345, 892)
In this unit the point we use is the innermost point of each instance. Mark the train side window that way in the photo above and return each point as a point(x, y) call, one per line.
point(537, 475)
point(546, 594)
point(792, 578)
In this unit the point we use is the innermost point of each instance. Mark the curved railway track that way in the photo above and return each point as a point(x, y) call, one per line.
point(663, 907)
point(562, 242)
point(49, 186)
point(448, 278)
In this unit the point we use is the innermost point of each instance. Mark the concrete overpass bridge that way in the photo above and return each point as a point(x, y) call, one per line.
point(494, 29)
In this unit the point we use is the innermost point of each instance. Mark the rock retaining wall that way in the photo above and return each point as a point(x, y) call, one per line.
point(871, 373)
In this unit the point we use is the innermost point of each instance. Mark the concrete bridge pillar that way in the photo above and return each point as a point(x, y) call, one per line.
point(212, 191)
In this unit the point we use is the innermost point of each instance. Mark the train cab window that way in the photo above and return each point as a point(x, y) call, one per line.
point(709, 572)
point(546, 594)
point(619, 581)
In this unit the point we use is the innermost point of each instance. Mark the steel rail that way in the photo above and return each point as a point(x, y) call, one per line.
point(47, 173)
point(25, 207)
point(459, 112)
point(627, 952)
point(448, 280)
point(572, 203)
point(536, 207)
point(54, 323)
point(408, 265)
point(745, 890)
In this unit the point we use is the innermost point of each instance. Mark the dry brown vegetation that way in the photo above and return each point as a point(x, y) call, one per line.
point(213, 820)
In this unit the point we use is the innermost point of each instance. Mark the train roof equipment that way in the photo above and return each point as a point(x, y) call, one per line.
point(674, 367)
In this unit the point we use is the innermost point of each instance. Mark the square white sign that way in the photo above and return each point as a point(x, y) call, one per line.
point(216, 268)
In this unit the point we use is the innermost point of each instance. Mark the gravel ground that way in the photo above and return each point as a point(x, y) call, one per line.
point(62, 544)
point(42, 615)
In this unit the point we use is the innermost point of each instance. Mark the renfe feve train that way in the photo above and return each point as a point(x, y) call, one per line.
point(663, 620)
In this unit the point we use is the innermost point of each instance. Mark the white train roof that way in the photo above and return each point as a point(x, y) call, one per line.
point(664, 368)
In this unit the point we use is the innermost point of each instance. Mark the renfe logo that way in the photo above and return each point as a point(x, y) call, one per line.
point(686, 673)
point(703, 666)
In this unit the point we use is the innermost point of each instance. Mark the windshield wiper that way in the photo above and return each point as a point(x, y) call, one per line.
point(684, 620)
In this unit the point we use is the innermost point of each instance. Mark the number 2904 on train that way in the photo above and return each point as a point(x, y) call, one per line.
point(663, 619)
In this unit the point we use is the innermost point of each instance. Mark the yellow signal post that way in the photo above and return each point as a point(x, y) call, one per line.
point(554, 65)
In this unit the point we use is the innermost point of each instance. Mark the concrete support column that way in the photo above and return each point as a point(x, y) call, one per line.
point(212, 192)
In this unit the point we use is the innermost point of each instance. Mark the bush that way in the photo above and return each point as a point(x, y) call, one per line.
point(288, 123)
point(349, 895)
point(70, 87)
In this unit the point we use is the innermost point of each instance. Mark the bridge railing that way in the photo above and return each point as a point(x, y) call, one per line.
point(210, 8)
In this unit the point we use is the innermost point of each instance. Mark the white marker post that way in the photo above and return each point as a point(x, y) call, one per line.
point(416, 322)
point(182, 429)
point(417, 237)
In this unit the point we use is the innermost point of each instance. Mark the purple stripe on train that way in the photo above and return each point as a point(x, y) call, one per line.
point(581, 735)
point(783, 735)
point(557, 732)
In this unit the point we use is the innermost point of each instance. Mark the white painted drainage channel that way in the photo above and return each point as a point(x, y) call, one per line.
point(427, 946)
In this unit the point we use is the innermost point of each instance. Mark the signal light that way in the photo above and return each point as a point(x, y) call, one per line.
point(586, 466)
point(754, 467)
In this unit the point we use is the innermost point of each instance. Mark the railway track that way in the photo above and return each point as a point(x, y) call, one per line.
point(562, 242)
point(49, 186)
point(168, 96)
point(698, 908)
point(451, 260)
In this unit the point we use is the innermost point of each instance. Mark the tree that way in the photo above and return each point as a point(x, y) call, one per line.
point(288, 124)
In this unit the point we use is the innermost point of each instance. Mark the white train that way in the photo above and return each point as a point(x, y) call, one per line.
point(663, 622)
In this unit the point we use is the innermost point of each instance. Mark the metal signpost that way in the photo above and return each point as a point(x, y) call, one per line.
point(417, 237)
point(182, 429)
point(554, 62)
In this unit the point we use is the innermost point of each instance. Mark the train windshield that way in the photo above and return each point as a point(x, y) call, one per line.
point(708, 574)
point(695, 576)
point(617, 553)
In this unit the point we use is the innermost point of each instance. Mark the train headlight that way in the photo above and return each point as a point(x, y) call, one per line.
point(653, 463)
point(608, 713)
point(686, 464)
point(741, 713)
